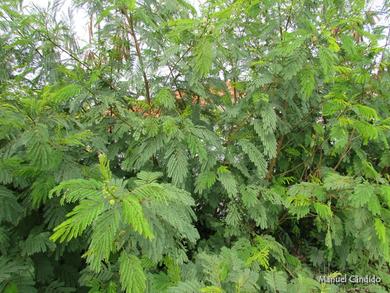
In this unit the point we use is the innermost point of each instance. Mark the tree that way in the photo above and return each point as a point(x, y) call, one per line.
point(241, 148)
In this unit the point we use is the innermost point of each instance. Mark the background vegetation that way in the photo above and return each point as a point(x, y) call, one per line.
point(244, 148)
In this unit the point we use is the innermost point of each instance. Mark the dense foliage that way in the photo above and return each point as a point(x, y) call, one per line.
point(239, 147)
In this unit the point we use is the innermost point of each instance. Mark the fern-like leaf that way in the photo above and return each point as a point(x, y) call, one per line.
point(165, 99)
point(131, 274)
point(133, 215)
point(36, 243)
point(228, 181)
point(276, 280)
point(255, 156)
point(77, 189)
point(10, 209)
point(177, 166)
point(204, 181)
point(203, 57)
point(78, 220)
point(102, 238)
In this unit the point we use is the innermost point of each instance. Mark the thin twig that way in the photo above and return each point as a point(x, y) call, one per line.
point(130, 22)
point(274, 160)
point(346, 150)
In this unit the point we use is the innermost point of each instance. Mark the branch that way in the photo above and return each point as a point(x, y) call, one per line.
point(274, 160)
point(70, 54)
point(234, 90)
point(190, 47)
point(130, 23)
point(384, 50)
point(280, 23)
point(346, 150)
point(289, 16)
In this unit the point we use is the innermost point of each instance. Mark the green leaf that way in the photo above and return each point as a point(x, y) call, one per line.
point(265, 130)
point(261, 256)
point(40, 190)
point(77, 189)
point(133, 215)
point(269, 117)
point(165, 99)
point(333, 106)
point(131, 274)
point(131, 4)
point(102, 238)
point(177, 166)
point(307, 83)
point(204, 181)
point(11, 288)
point(36, 243)
point(276, 280)
point(189, 286)
point(348, 45)
point(8, 166)
point(365, 112)
point(76, 138)
point(233, 217)
point(299, 205)
point(340, 137)
point(362, 194)
point(366, 130)
point(64, 93)
point(324, 211)
point(148, 177)
point(327, 60)
point(374, 205)
point(249, 196)
point(10, 209)
point(104, 166)
point(78, 220)
point(228, 182)
point(246, 281)
point(334, 181)
point(255, 156)
point(151, 191)
point(211, 289)
point(304, 284)
point(144, 153)
point(380, 230)
point(385, 193)
point(203, 57)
